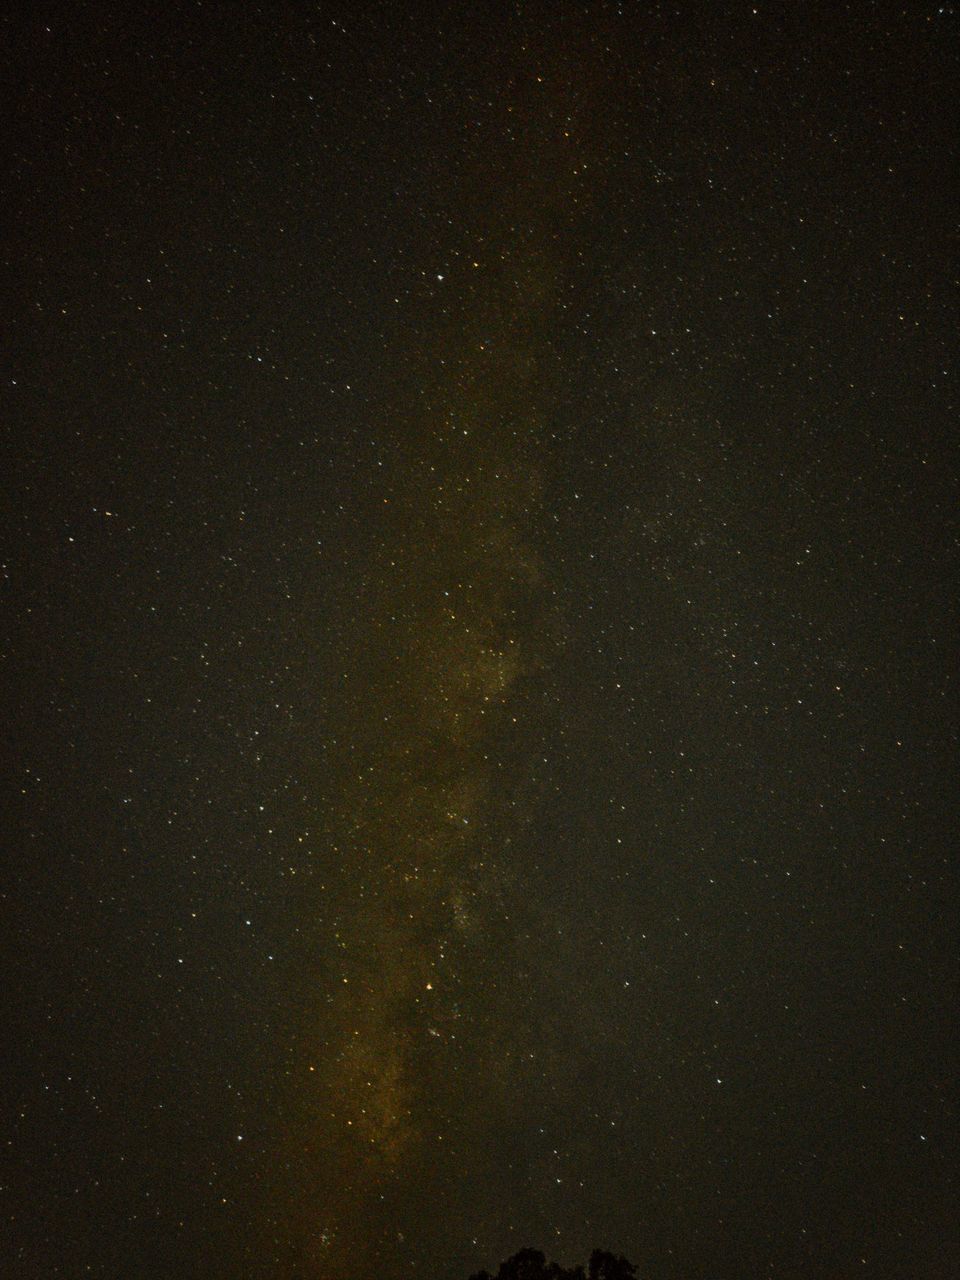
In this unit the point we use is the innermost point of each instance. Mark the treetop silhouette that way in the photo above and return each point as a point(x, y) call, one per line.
point(531, 1264)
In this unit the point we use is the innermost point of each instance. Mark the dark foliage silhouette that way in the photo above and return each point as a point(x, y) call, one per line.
point(531, 1264)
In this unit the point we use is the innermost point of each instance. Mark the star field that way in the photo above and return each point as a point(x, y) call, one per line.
point(478, 640)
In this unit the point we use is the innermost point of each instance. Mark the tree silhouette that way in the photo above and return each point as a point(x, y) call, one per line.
point(531, 1264)
point(606, 1266)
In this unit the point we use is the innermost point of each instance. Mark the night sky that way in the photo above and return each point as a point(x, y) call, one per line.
point(478, 639)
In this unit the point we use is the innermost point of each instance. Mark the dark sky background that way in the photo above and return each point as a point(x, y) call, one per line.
point(479, 638)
